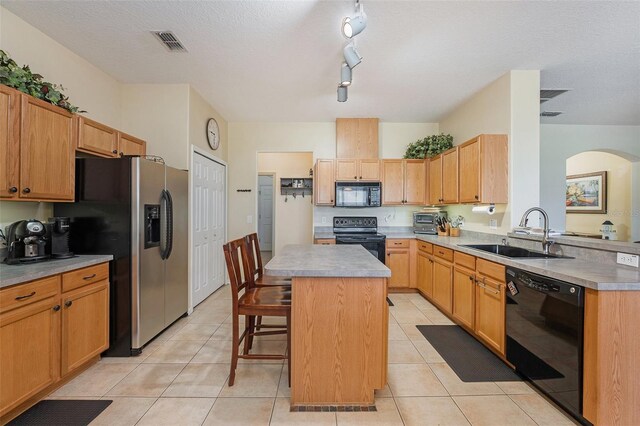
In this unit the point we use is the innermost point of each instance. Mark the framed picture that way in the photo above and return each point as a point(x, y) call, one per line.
point(587, 193)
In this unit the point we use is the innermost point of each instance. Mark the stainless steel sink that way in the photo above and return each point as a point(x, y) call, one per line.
point(513, 252)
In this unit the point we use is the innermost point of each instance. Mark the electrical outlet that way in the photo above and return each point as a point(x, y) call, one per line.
point(493, 223)
point(628, 259)
point(324, 219)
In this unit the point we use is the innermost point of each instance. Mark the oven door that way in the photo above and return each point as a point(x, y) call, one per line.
point(375, 246)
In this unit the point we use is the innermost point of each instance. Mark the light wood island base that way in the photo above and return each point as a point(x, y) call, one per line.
point(339, 340)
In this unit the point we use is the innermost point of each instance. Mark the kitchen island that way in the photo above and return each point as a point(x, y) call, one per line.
point(339, 323)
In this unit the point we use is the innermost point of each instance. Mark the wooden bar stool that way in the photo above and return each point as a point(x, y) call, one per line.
point(251, 301)
point(255, 264)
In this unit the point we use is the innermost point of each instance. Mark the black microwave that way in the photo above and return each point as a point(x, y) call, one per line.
point(358, 194)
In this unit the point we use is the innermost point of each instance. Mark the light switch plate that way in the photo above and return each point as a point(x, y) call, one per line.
point(249, 219)
point(493, 223)
point(628, 259)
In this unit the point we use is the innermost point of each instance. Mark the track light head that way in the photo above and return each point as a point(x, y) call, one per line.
point(354, 25)
point(342, 93)
point(351, 55)
point(345, 75)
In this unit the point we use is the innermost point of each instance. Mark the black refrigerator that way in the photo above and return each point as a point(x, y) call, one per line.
point(134, 208)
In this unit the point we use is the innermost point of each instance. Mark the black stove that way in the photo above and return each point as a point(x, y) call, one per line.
point(360, 230)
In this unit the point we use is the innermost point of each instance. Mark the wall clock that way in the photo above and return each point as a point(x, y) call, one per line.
point(213, 133)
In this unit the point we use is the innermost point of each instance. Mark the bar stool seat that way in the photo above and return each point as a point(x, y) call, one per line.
point(255, 264)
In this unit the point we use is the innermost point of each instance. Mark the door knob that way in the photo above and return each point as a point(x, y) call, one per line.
point(68, 303)
point(13, 190)
point(26, 190)
point(115, 151)
point(56, 308)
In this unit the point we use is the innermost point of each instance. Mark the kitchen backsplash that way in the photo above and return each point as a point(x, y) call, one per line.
point(387, 216)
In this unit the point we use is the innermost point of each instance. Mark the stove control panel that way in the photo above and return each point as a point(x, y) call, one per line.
point(347, 222)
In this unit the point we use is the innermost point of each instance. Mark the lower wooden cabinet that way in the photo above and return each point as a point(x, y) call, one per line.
point(85, 325)
point(46, 334)
point(425, 274)
point(442, 284)
point(399, 261)
point(490, 312)
point(29, 351)
point(464, 292)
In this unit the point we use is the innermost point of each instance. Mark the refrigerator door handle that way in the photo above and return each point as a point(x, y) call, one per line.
point(168, 202)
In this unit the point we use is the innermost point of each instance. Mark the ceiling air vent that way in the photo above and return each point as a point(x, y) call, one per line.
point(550, 113)
point(169, 40)
point(551, 93)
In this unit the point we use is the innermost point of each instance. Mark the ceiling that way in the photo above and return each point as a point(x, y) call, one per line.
point(280, 60)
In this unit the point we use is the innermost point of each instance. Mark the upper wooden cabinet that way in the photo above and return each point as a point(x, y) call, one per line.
point(357, 170)
point(357, 138)
point(96, 138)
point(324, 183)
point(403, 182)
point(443, 178)
point(484, 170)
point(9, 141)
point(47, 152)
point(103, 141)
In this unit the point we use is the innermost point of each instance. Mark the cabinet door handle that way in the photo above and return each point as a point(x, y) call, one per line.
point(26, 190)
point(115, 151)
point(355, 177)
point(88, 277)
point(388, 254)
point(26, 296)
point(477, 198)
point(470, 277)
point(68, 303)
point(56, 308)
point(121, 154)
point(488, 288)
point(13, 190)
point(360, 177)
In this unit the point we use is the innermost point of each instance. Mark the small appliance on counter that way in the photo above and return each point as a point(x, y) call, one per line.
point(26, 242)
point(426, 222)
point(58, 242)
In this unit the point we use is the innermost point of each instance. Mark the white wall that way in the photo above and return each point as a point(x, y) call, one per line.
point(247, 139)
point(558, 142)
point(293, 220)
point(509, 105)
point(199, 114)
point(619, 193)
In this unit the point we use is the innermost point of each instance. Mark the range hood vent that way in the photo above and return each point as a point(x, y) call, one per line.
point(550, 113)
point(169, 40)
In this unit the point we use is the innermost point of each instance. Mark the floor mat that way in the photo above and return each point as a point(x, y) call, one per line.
point(470, 360)
point(67, 412)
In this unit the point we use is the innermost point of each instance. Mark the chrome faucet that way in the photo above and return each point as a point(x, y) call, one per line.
point(546, 242)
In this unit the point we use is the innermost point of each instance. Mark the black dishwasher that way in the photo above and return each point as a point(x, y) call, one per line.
point(545, 335)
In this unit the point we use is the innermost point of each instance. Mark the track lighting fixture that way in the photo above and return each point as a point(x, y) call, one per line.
point(342, 93)
point(351, 55)
point(345, 75)
point(354, 25)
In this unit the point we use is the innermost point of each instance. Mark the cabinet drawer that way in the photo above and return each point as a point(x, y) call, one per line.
point(81, 277)
point(25, 294)
point(465, 260)
point(324, 241)
point(443, 253)
point(397, 243)
point(425, 247)
point(491, 269)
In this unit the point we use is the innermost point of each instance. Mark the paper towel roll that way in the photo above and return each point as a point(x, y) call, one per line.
point(484, 209)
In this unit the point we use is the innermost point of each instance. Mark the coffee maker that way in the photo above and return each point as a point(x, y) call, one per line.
point(26, 241)
point(58, 242)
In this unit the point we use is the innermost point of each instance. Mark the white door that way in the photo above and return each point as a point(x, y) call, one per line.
point(208, 219)
point(265, 212)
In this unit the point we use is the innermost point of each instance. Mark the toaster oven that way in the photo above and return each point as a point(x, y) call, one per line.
point(425, 222)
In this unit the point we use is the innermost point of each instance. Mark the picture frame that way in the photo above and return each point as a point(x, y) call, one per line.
point(587, 193)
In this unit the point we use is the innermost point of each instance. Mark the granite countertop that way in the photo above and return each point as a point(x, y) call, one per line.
point(580, 272)
point(22, 273)
point(350, 261)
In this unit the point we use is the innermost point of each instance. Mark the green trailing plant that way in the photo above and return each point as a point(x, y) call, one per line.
point(429, 146)
point(22, 79)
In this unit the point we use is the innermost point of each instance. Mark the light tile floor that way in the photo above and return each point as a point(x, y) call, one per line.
point(181, 379)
